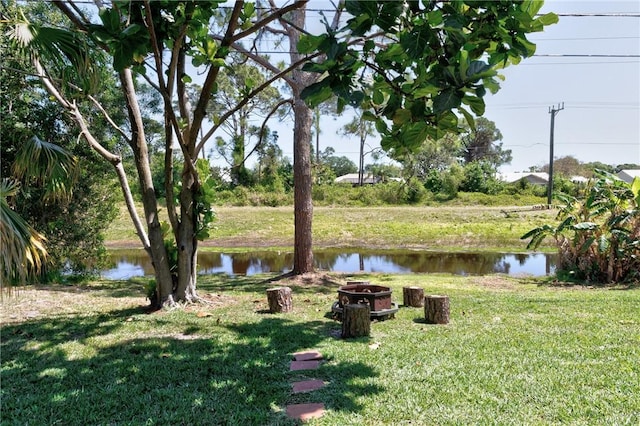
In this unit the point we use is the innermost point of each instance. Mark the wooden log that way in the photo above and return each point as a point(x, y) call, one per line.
point(358, 282)
point(413, 296)
point(279, 299)
point(356, 321)
point(436, 309)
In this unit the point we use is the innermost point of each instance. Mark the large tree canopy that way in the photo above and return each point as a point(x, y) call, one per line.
point(414, 64)
point(410, 64)
point(482, 143)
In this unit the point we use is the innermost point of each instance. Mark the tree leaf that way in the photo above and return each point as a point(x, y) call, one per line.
point(477, 104)
point(469, 118)
point(378, 97)
point(426, 91)
point(309, 43)
point(369, 116)
point(414, 134)
point(447, 100)
point(548, 19)
point(389, 15)
point(131, 30)
point(360, 24)
point(317, 93)
point(401, 117)
point(635, 189)
point(478, 70)
point(585, 226)
point(586, 245)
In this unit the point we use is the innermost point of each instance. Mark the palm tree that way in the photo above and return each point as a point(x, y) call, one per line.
point(24, 251)
point(22, 246)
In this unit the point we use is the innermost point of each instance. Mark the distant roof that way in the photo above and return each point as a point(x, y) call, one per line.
point(353, 178)
point(532, 177)
point(628, 175)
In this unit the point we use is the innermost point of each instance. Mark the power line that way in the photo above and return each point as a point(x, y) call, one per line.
point(596, 15)
point(583, 55)
point(542, 55)
point(588, 38)
point(508, 145)
point(577, 63)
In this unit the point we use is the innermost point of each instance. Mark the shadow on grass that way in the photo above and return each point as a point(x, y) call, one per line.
point(554, 282)
point(62, 371)
point(306, 284)
point(112, 288)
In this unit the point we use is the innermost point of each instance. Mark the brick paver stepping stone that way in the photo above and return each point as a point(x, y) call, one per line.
point(304, 365)
point(307, 356)
point(305, 411)
point(307, 386)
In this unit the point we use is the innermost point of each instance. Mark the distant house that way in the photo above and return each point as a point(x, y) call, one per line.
point(579, 179)
point(352, 178)
point(628, 175)
point(534, 178)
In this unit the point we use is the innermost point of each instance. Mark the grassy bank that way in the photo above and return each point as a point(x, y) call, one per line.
point(515, 352)
point(437, 228)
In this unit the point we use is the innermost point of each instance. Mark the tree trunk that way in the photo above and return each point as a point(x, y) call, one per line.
point(187, 243)
point(436, 309)
point(138, 143)
point(356, 321)
point(280, 299)
point(302, 202)
point(413, 296)
point(361, 162)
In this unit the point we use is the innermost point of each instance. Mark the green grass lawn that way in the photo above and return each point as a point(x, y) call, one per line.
point(442, 228)
point(517, 351)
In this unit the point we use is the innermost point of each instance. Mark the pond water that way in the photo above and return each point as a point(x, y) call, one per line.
point(132, 263)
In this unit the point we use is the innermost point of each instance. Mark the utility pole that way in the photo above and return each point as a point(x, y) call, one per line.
point(553, 111)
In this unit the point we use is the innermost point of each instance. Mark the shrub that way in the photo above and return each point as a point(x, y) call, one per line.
point(391, 193)
point(598, 237)
point(414, 191)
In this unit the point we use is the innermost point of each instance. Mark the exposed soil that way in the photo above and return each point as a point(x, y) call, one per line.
point(37, 302)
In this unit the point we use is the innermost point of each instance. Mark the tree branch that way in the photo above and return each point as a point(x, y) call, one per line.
point(107, 117)
point(201, 107)
point(257, 59)
point(273, 16)
point(253, 93)
point(114, 159)
point(77, 21)
point(275, 31)
point(264, 125)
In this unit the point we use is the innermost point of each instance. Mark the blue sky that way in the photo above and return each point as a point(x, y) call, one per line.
point(601, 116)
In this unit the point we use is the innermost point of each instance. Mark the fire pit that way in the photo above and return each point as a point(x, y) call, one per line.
point(376, 296)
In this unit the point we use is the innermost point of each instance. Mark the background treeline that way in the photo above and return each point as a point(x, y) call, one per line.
point(271, 184)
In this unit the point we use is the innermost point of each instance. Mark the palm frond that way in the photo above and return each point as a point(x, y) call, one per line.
point(49, 164)
point(64, 50)
point(23, 247)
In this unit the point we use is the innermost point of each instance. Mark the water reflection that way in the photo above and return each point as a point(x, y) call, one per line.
point(131, 263)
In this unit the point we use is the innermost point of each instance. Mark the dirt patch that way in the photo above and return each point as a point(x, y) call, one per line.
point(210, 301)
point(313, 279)
point(35, 303)
point(495, 282)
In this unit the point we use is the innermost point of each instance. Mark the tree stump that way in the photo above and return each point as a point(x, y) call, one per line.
point(279, 299)
point(436, 309)
point(356, 321)
point(413, 296)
